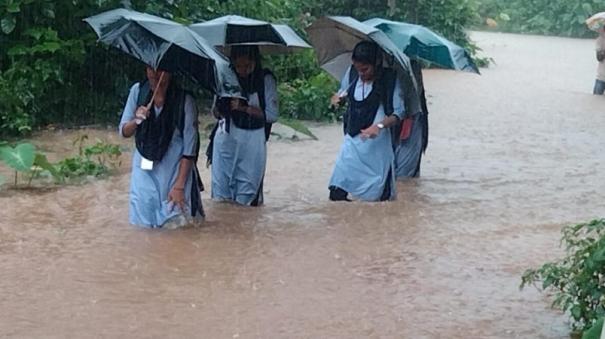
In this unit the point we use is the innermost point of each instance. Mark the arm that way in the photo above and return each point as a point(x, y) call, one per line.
point(132, 116)
point(336, 99)
point(190, 140)
point(130, 127)
point(127, 125)
point(398, 113)
point(271, 99)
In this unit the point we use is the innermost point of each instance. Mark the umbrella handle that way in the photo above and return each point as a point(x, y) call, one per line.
point(155, 91)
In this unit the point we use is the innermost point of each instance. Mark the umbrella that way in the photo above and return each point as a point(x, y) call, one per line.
point(167, 45)
point(334, 38)
point(596, 22)
point(237, 30)
point(420, 42)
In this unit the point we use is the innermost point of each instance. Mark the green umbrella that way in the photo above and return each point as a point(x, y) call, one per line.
point(334, 38)
point(167, 45)
point(420, 42)
point(232, 30)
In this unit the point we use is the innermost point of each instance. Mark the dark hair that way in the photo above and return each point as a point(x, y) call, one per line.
point(250, 52)
point(367, 52)
point(253, 81)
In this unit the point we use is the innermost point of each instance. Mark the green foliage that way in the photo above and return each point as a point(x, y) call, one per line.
point(308, 99)
point(594, 332)
point(95, 160)
point(20, 158)
point(559, 17)
point(42, 163)
point(578, 280)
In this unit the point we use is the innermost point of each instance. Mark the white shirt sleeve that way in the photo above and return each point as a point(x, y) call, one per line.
point(271, 99)
point(130, 107)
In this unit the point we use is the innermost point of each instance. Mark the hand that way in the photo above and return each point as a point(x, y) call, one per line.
point(141, 114)
point(176, 198)
point(238, 105)
point(335, 100)
point(370, 132)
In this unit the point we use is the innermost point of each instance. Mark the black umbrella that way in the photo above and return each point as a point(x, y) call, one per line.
point(233, 30)
point(167, 45)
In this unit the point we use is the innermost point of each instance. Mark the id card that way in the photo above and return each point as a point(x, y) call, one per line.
point(146, 165)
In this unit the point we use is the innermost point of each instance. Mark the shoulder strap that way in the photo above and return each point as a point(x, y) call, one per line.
point(143, 93)
point(389, 77)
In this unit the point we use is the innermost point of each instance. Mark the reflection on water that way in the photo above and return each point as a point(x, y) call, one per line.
point(514, 154)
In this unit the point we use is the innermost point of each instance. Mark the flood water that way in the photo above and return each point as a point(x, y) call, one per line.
point(514, 155)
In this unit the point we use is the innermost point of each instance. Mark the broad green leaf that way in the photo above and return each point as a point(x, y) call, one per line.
point(13, 7)
point(20, 158)
point(7, 24)
point(42, 162)
point(594, 332)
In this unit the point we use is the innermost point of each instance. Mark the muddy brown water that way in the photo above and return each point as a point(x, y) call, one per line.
point(514, 155)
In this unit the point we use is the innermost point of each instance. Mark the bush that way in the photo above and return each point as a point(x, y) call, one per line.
point(308, 99)
point(578, 280)
point(559, 17)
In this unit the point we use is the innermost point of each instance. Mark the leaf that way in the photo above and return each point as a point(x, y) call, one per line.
point(298, 126)
point(47, 47)
point(13, 7)
point(49, 13)
point(576, 312)
point(8, 24)
point(594, 332)
point(20, 158)
point(42, 162)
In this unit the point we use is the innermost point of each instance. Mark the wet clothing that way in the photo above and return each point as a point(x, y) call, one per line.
point(149, 189)
point(364, 168)
point(600, 46)
point(239, 150)
point(599, 87)
point(408, 152)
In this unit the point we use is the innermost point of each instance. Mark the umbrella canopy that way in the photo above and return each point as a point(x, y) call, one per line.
point(237, 30)
point(167, 45)
point(596, 22)
point(334, 39)
point(420, 42)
